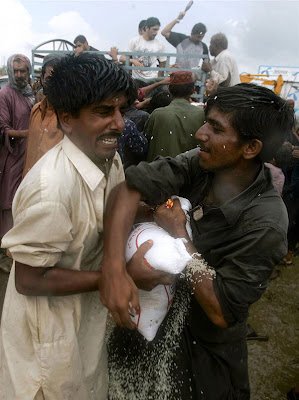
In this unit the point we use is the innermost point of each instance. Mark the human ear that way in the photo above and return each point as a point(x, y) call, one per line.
point(252, 149)
point(65, 120)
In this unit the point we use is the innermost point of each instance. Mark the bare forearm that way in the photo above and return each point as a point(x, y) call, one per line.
point(201, 282)
point(120, 214)
point(162, 65)
point(18, 134)
point(54, 281)
point(168, 28)
point(122, 59)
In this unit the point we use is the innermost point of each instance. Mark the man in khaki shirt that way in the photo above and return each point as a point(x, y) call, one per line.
point(53, 323)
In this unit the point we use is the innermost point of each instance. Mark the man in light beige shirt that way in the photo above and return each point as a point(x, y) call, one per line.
point(53, 323)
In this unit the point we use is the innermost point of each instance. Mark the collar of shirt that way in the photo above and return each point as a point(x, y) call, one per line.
point(91, 174)
point(45, 105)
point(221, 54)
point(180, 102)
point(232, 208)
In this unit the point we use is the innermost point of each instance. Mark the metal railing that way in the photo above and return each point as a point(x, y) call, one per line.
point(63, 46)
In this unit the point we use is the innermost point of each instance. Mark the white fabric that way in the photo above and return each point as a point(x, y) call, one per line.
point(55, 345)
point(223, 65)
point(167, 254)
point(149, 46)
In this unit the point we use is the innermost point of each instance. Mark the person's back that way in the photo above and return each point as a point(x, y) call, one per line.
point(171, 130)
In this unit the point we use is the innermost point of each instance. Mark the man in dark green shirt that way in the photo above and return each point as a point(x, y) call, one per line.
point(171, 130)
point(239, 225)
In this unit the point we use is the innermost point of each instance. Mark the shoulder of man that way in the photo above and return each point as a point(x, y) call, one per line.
point(6, 91)
point(135, 40)
point(53, 178)
point(267, 209)
point(205, 48)
point(176, 38)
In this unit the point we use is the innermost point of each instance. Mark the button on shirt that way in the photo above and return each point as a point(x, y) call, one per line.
point(57, 343)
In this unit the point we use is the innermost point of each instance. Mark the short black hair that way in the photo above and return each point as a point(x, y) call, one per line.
point(142, 24)
point(50, 60)
point(255, 113)
point(152, 21)
point(77, 82)
point(80, 39)
point(161, 98)
point(199, 29)
point(182, 90)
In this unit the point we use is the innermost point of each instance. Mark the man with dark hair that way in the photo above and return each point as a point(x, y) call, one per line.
point(171, 130)
point(223, 68)
point(239, 226)
point(184, 44)
point(81, 44)
point(16, 101)
point(53, 326)
point(43, 133)
point(147, 43)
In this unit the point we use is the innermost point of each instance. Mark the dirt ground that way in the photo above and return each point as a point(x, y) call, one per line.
point(273, 365)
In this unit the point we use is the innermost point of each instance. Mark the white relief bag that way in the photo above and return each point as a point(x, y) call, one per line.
point(167, 254)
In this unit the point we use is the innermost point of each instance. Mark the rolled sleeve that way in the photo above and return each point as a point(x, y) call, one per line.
point(41, 233)
point(244, 276)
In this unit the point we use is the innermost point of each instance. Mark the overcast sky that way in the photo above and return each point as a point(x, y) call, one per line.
point(259, 32)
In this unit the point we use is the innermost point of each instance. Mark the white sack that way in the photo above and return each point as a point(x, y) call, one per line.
point(167, 254)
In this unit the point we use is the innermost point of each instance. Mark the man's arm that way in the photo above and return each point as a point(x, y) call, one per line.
point(174, 221)
point(222, 76)
point(161, 65)
point(168, 28)
point(133, 61)
point(117, 289)
point(54, 281)
point(147, 89)
point(5, 121)
point(18, 134)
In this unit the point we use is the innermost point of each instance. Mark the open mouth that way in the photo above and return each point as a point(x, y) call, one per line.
point(108, 141)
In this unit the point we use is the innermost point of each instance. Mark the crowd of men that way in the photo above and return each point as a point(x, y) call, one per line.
point(102, 148)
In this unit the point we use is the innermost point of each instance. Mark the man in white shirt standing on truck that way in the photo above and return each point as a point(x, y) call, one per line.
point(147, 43)
point(223, 68)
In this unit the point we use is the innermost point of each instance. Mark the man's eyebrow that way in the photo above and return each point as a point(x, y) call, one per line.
point(215, 122)
point(102, 107)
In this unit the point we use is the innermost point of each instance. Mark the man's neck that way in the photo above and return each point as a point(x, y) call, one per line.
point(220, 51)
point(228, 184)
point(182, 98)
point(145, 37)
